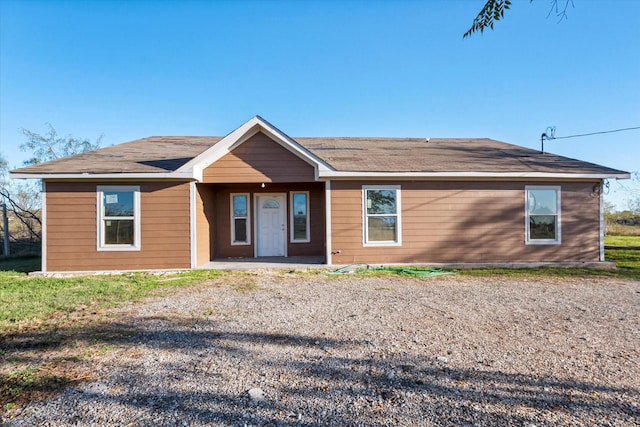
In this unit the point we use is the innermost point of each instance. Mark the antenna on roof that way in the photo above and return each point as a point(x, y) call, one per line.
point(548, 134)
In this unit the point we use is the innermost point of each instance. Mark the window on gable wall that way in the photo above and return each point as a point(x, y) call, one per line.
point(118, 218)
point(240, 219)
point(381, 215)
point(542, 215)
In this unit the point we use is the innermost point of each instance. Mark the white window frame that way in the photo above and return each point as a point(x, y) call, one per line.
point(558, 239)
point(292, 237)
point(365, 216)
point(137, 244)
point(233, 218)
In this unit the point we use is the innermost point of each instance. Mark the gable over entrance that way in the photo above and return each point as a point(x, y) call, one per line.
point(254, 132)
point(259, 159)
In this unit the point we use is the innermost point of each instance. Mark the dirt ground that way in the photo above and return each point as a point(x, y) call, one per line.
point(277, 348)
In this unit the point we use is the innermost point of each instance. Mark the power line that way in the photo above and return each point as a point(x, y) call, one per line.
point(589, 134)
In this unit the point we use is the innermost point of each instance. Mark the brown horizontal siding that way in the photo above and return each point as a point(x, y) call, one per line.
point(71, 228)
point(465, 222)
point(167, 221)
point(259, 159)
point(205, 203)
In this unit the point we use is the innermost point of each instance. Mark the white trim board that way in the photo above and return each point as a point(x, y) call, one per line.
point(94, 176)
point(461, 175)
point(327, 221)
point(43, 233)
point(100, 218)
point(192, 225)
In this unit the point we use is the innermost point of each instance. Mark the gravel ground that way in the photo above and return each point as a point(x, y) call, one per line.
point(281, 349)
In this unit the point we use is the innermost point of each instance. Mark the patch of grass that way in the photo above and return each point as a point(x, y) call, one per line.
point(32, 301)
point(21, 385)
point(628, 272)
point(624, 258)
point(622, 240)
point(49, 326)
point(244, 284)
point(625, 269)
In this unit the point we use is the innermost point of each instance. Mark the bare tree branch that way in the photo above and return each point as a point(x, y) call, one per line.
point(561, 13)
point(50, 146)
point(23, 200)
point(26, 216)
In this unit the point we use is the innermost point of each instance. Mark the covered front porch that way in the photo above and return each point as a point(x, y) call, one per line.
point(260, 223)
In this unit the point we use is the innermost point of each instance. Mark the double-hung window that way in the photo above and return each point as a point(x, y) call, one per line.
point(240, 219)
point(542, 215)
point(299, 204)
point(381, 215)
point(118, 218)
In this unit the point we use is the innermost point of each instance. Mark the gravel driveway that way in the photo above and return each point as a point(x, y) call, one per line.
point(320, 350)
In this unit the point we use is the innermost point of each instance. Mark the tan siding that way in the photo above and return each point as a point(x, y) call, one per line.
point(259, 159)
point(205, 202)
point(72, 228)
point(465, 222)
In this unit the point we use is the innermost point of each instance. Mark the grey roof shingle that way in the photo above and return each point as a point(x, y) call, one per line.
point(152, 154)
point(440, 155)
point(162, 154)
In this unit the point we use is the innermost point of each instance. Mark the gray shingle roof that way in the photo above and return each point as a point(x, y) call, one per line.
point(440, 155)
point(163, 154)
point(153, 154)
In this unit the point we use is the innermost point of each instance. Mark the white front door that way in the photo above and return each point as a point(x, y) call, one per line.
point(271, 225)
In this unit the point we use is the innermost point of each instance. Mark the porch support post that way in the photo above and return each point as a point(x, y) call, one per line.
point(192, 224)
point(327, 220)
point(602, 225)
point(43, 232)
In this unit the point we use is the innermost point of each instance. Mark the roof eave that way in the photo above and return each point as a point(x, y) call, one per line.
point(87, 175)
point(409, 175)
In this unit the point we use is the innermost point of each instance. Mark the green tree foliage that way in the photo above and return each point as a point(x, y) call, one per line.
point(493, 10)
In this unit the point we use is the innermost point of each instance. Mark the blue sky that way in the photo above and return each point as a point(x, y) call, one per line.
point(131, 69)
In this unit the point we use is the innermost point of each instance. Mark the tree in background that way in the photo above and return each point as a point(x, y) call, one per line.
point(19, 204)
point(3, 168)
point(493, 10)
point(50, 146)
point(43, 148)
point(23, 198)
point(633, 202)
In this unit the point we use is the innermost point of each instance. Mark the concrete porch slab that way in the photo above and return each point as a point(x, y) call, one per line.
point(271, 263)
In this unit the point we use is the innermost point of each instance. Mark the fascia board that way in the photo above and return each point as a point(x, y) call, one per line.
point(209, 156)
point(147, 175)
point(411, 175)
